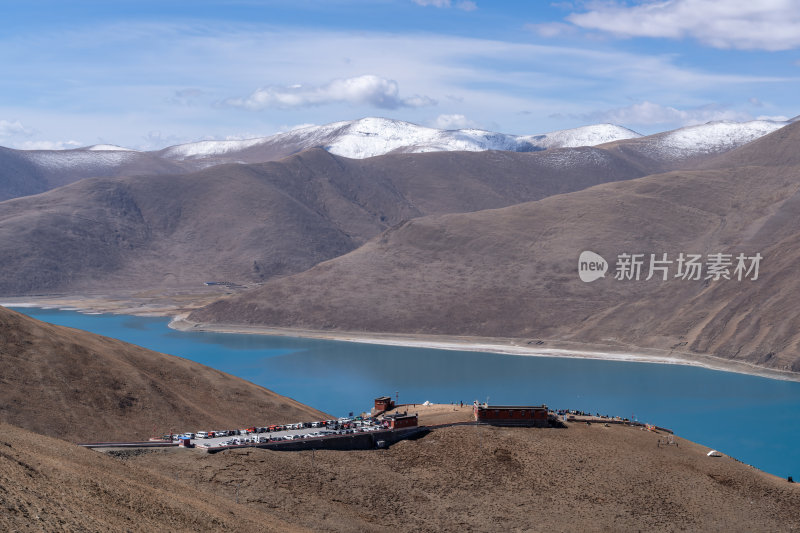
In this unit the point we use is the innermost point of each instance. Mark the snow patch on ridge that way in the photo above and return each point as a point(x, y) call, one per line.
point(370, 137)
point(107, 148)
point(209, 148)
point(583, 136)
point(70, 159)
point(579, 156)
point(712, 137)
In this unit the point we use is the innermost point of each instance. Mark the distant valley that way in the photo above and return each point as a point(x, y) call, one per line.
point(249, 223)
point(425, 231)
point(512, 272)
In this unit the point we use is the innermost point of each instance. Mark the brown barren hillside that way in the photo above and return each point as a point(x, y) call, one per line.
point(25, 172)
point(47, 484)
point(583, 478)
point(83, 387)
point(512, 272)
point(249, 223)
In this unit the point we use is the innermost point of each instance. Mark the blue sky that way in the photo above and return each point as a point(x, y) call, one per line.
point(147, 75)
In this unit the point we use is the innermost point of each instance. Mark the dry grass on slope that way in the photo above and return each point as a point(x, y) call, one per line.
point(49, 485)
point(583, 478)
point(83, 387)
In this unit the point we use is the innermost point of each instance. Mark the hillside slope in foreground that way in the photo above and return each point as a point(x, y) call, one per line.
point(47, 484)
point(583, 478)
point(82, 387)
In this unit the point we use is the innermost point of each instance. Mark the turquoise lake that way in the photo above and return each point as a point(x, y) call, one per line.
point(754, 419)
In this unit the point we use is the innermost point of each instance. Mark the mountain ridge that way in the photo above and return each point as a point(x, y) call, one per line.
point(25, 172)
point(512, 272)
point(248, 223)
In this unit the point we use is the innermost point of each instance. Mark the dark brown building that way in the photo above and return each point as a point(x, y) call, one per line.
point(384, 403)
point(399, 421)
point(512, 415)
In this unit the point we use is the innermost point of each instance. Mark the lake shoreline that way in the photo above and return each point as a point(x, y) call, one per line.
point(519, 347)
point(703, 405)
point(178, 308)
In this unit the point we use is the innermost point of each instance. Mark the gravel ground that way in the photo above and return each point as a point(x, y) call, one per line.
point(582, 478)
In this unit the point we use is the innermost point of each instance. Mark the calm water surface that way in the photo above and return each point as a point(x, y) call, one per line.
point(756, 420)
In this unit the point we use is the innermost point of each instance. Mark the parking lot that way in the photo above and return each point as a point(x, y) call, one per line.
point(282, 432)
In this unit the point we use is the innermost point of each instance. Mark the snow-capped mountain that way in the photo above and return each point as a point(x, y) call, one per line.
point(40, 170)
point(705, 139)
point(370, 137)
point(583, 136)
point(79, 158)
point(107, 148)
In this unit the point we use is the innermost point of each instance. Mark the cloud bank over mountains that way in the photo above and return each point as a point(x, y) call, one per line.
point(368, 90)
point(771, 25)
point(250, 69)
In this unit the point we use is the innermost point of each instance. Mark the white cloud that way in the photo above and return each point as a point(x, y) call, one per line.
point(740, 24)
point(368, 89)
point(186, 97)
point(155, 139)
point(9, 129)
point(466, 5)
point(650, 114)
point(48, 145)
point(778, 118)
point(488, 80)
point(551, 29)
point(453, 122)
point(434, 3)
